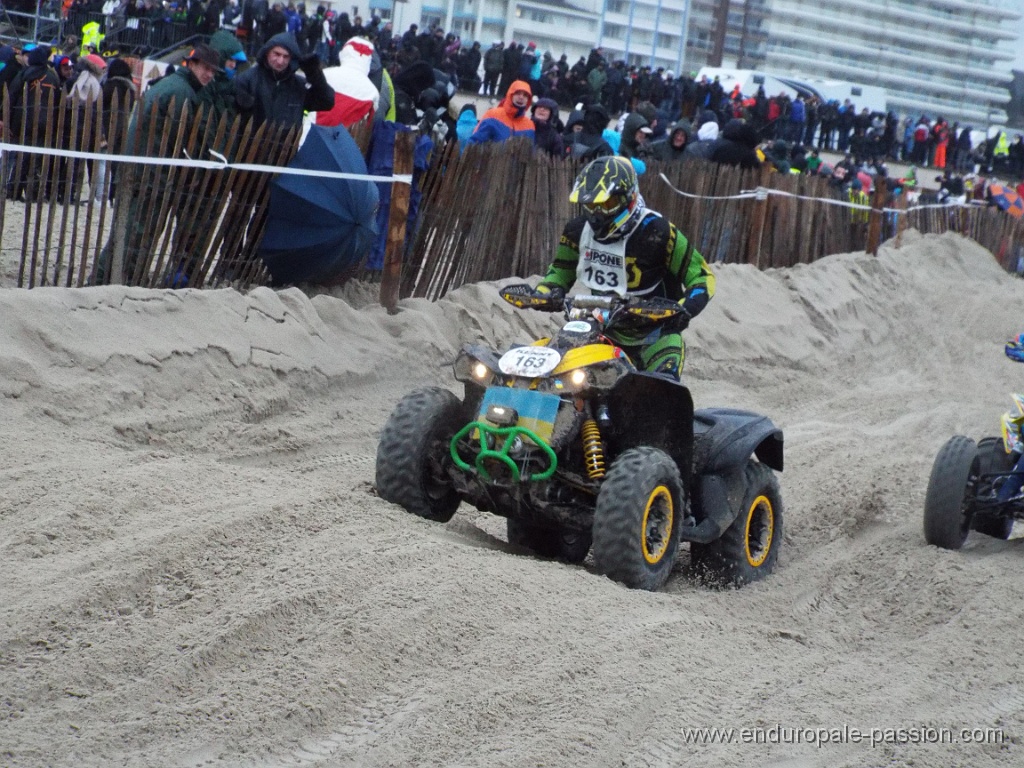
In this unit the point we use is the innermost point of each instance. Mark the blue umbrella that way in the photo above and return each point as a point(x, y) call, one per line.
point(320, 228)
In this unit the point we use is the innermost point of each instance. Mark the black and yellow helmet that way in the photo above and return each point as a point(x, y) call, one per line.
point(608, 190)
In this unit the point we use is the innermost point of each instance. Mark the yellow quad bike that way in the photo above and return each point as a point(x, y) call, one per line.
point(583, 452)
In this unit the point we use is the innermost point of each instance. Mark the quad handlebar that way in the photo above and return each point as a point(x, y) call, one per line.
point(618, 307)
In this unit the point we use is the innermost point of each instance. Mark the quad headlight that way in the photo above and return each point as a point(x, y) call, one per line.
point(469, 369)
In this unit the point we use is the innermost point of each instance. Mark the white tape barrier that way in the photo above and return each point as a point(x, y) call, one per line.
point(221, 163)
point(762, 193)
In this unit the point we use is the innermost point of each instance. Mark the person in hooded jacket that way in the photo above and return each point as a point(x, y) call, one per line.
point(273, 91)
point(636, 132)
point(707, 141)
point(466, 123)
point(546, 134)
point(737, 145)
point(508, 119)
point(219, 93)
point(674, 147)
point(573, 125)
point(355, 96)
point(589, 143)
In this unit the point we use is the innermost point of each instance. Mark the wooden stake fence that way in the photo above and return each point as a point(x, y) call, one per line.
point(166, 226)
point(497, 210)
point(489, 212)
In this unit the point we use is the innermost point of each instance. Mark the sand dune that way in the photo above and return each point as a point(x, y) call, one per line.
point(195, 570)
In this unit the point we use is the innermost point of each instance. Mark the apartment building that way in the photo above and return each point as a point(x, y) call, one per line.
point(947, 57)
point(938, 57)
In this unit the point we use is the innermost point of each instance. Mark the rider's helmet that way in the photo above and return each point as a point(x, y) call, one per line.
point(609, 192)
point(1015, 348)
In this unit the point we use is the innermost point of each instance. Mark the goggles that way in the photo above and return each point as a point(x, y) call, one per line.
point(611, 205)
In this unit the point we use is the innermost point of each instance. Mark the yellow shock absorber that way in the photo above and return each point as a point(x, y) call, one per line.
point(593, 453)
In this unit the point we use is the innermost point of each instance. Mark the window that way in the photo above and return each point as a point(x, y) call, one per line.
point(616, 31)
point(532, 14)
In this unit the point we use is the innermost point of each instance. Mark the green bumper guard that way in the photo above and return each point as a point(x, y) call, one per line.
point(509, 433)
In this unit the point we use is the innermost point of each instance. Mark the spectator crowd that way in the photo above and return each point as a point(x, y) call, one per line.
point(273, 61)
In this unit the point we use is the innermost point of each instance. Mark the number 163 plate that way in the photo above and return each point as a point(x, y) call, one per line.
point(529, 362)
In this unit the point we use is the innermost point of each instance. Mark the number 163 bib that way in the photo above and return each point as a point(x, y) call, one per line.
point(602, 266)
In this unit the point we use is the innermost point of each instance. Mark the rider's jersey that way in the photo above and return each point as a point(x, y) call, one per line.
point(658, 262)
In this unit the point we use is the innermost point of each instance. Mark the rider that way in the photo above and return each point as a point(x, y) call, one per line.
point(630, 250)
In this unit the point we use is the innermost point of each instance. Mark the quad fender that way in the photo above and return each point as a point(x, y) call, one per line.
point(724, 441)
point(726, 437)
point(656, 410)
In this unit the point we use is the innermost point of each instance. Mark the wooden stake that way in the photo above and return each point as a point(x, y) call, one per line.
point(391, 279)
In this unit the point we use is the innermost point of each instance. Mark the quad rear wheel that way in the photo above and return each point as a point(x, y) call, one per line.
point(951, 489)
point(552, 541)
point(749, 548)
point(637, 519)
point(413, 453)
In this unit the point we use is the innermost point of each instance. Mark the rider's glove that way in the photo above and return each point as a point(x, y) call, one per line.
point(678, 323)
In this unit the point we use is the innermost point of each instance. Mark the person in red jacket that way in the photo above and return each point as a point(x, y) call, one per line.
point(355, 96)
point(508, 119)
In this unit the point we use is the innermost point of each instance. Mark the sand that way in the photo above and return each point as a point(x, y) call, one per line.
point(195, 570)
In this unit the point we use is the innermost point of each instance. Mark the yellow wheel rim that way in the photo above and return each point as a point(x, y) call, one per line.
point(760, 530)
point(656, 531)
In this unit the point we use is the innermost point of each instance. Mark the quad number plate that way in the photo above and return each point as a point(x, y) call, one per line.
point(529, 362)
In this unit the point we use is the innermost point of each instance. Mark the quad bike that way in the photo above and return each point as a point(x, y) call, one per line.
point(580, 451)
point(977, 486)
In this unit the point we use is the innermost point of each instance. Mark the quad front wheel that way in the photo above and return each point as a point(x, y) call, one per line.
point(413, 453)
point(993, 460)
point(637, 518)
point(552, 541)
point(951, 488)
point(749, 548)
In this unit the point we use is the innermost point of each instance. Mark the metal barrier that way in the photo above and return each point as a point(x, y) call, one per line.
point(20, 27)
point(127, 36)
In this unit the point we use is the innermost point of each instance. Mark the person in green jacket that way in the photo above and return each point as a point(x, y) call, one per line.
point(163, 107)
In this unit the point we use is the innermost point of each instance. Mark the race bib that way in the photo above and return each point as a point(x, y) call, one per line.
point(602, 266)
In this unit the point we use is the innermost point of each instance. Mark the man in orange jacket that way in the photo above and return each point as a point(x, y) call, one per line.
point(508, 119)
